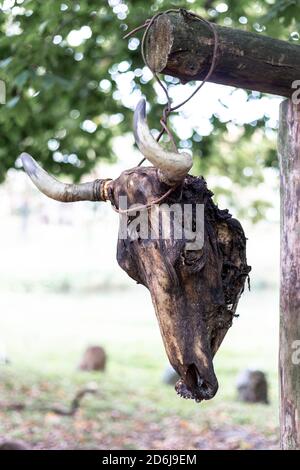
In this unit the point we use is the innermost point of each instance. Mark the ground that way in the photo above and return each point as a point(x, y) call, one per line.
point(45, 334)
point(61, 290)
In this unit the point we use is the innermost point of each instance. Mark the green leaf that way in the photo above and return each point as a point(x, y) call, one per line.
point(42, 27)
point(5, 62)
point(21, 79)
point(13, 102)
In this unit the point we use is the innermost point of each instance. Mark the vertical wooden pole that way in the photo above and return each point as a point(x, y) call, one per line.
point(289, 354)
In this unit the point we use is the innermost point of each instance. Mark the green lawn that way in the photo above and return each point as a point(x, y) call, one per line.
point(45, 334)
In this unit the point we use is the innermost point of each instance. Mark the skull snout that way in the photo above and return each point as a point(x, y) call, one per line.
point(196, 385)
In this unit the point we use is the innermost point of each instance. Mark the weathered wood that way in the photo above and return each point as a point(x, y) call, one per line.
point(180, 45)
point(195, 290)
point(289, 357)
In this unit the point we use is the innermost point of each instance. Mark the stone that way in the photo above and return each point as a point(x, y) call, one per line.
point(94, 358)
point(252, 386)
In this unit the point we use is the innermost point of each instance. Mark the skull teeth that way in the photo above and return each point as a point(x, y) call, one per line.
point(183, 392)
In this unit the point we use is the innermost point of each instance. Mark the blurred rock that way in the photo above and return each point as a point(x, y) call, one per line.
point(170, 376)
point(13, 445)
point(252, 386)
point(4, 361)
point(94, 358)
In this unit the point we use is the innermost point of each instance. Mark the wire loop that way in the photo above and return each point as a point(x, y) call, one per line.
point(168, 109)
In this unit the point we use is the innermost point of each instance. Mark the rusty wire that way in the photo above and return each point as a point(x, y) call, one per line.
point(145, 206)
point(169, 108)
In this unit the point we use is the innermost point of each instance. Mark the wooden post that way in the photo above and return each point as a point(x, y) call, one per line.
point(289, 354)
point(180, 45)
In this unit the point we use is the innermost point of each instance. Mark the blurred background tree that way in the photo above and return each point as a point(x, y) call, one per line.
point(65, 65)
point(72, 83)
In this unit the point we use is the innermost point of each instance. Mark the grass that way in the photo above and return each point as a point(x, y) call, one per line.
point(46, 333)
point(61, 290)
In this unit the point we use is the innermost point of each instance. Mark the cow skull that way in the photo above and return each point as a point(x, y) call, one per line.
point(195, 292)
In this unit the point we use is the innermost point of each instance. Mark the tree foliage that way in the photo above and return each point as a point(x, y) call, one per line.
point(64, 62)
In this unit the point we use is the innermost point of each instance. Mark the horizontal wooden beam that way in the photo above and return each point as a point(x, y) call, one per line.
point(180, 45)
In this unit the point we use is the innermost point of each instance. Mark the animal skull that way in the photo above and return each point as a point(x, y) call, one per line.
point(195, 292)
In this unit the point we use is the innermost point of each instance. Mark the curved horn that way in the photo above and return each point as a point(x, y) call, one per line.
point(93, 191)
point(173, 166)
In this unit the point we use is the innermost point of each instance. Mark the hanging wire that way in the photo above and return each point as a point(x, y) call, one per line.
point(146, 206)
point(169, 108)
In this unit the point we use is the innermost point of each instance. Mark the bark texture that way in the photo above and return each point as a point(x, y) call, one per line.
point(289, 357)
point(180, 45)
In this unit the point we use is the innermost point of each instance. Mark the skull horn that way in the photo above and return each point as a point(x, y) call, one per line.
point(93, 191)
point(173, 166)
